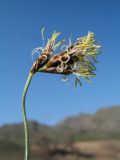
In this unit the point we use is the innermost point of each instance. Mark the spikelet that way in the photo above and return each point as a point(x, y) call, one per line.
point(78, 59)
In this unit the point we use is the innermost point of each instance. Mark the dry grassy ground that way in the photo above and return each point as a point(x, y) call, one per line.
point(101, 150)
point(94, 150)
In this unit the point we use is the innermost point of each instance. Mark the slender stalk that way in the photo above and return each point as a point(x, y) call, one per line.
point(26, 131)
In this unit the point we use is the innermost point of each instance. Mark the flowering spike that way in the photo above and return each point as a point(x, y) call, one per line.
point(78, 59)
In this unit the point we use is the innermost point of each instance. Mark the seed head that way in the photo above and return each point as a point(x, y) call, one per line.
point(77, 59)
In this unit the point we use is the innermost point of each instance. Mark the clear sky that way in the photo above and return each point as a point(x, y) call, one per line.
point(49, 100)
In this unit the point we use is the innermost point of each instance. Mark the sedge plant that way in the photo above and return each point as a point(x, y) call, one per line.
point(76, 59)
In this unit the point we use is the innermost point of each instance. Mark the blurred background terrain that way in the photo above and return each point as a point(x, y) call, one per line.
point(85, 136)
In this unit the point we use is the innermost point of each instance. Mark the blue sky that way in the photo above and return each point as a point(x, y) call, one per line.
point(50, 100)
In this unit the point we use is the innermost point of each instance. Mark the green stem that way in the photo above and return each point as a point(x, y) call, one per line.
point(26, 131)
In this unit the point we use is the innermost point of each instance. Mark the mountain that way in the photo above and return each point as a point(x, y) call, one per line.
point(59, 139)
point(104, 123)
point(104, 120)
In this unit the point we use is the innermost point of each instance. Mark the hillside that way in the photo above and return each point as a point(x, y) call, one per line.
point(103, 124)
point(61, 139)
